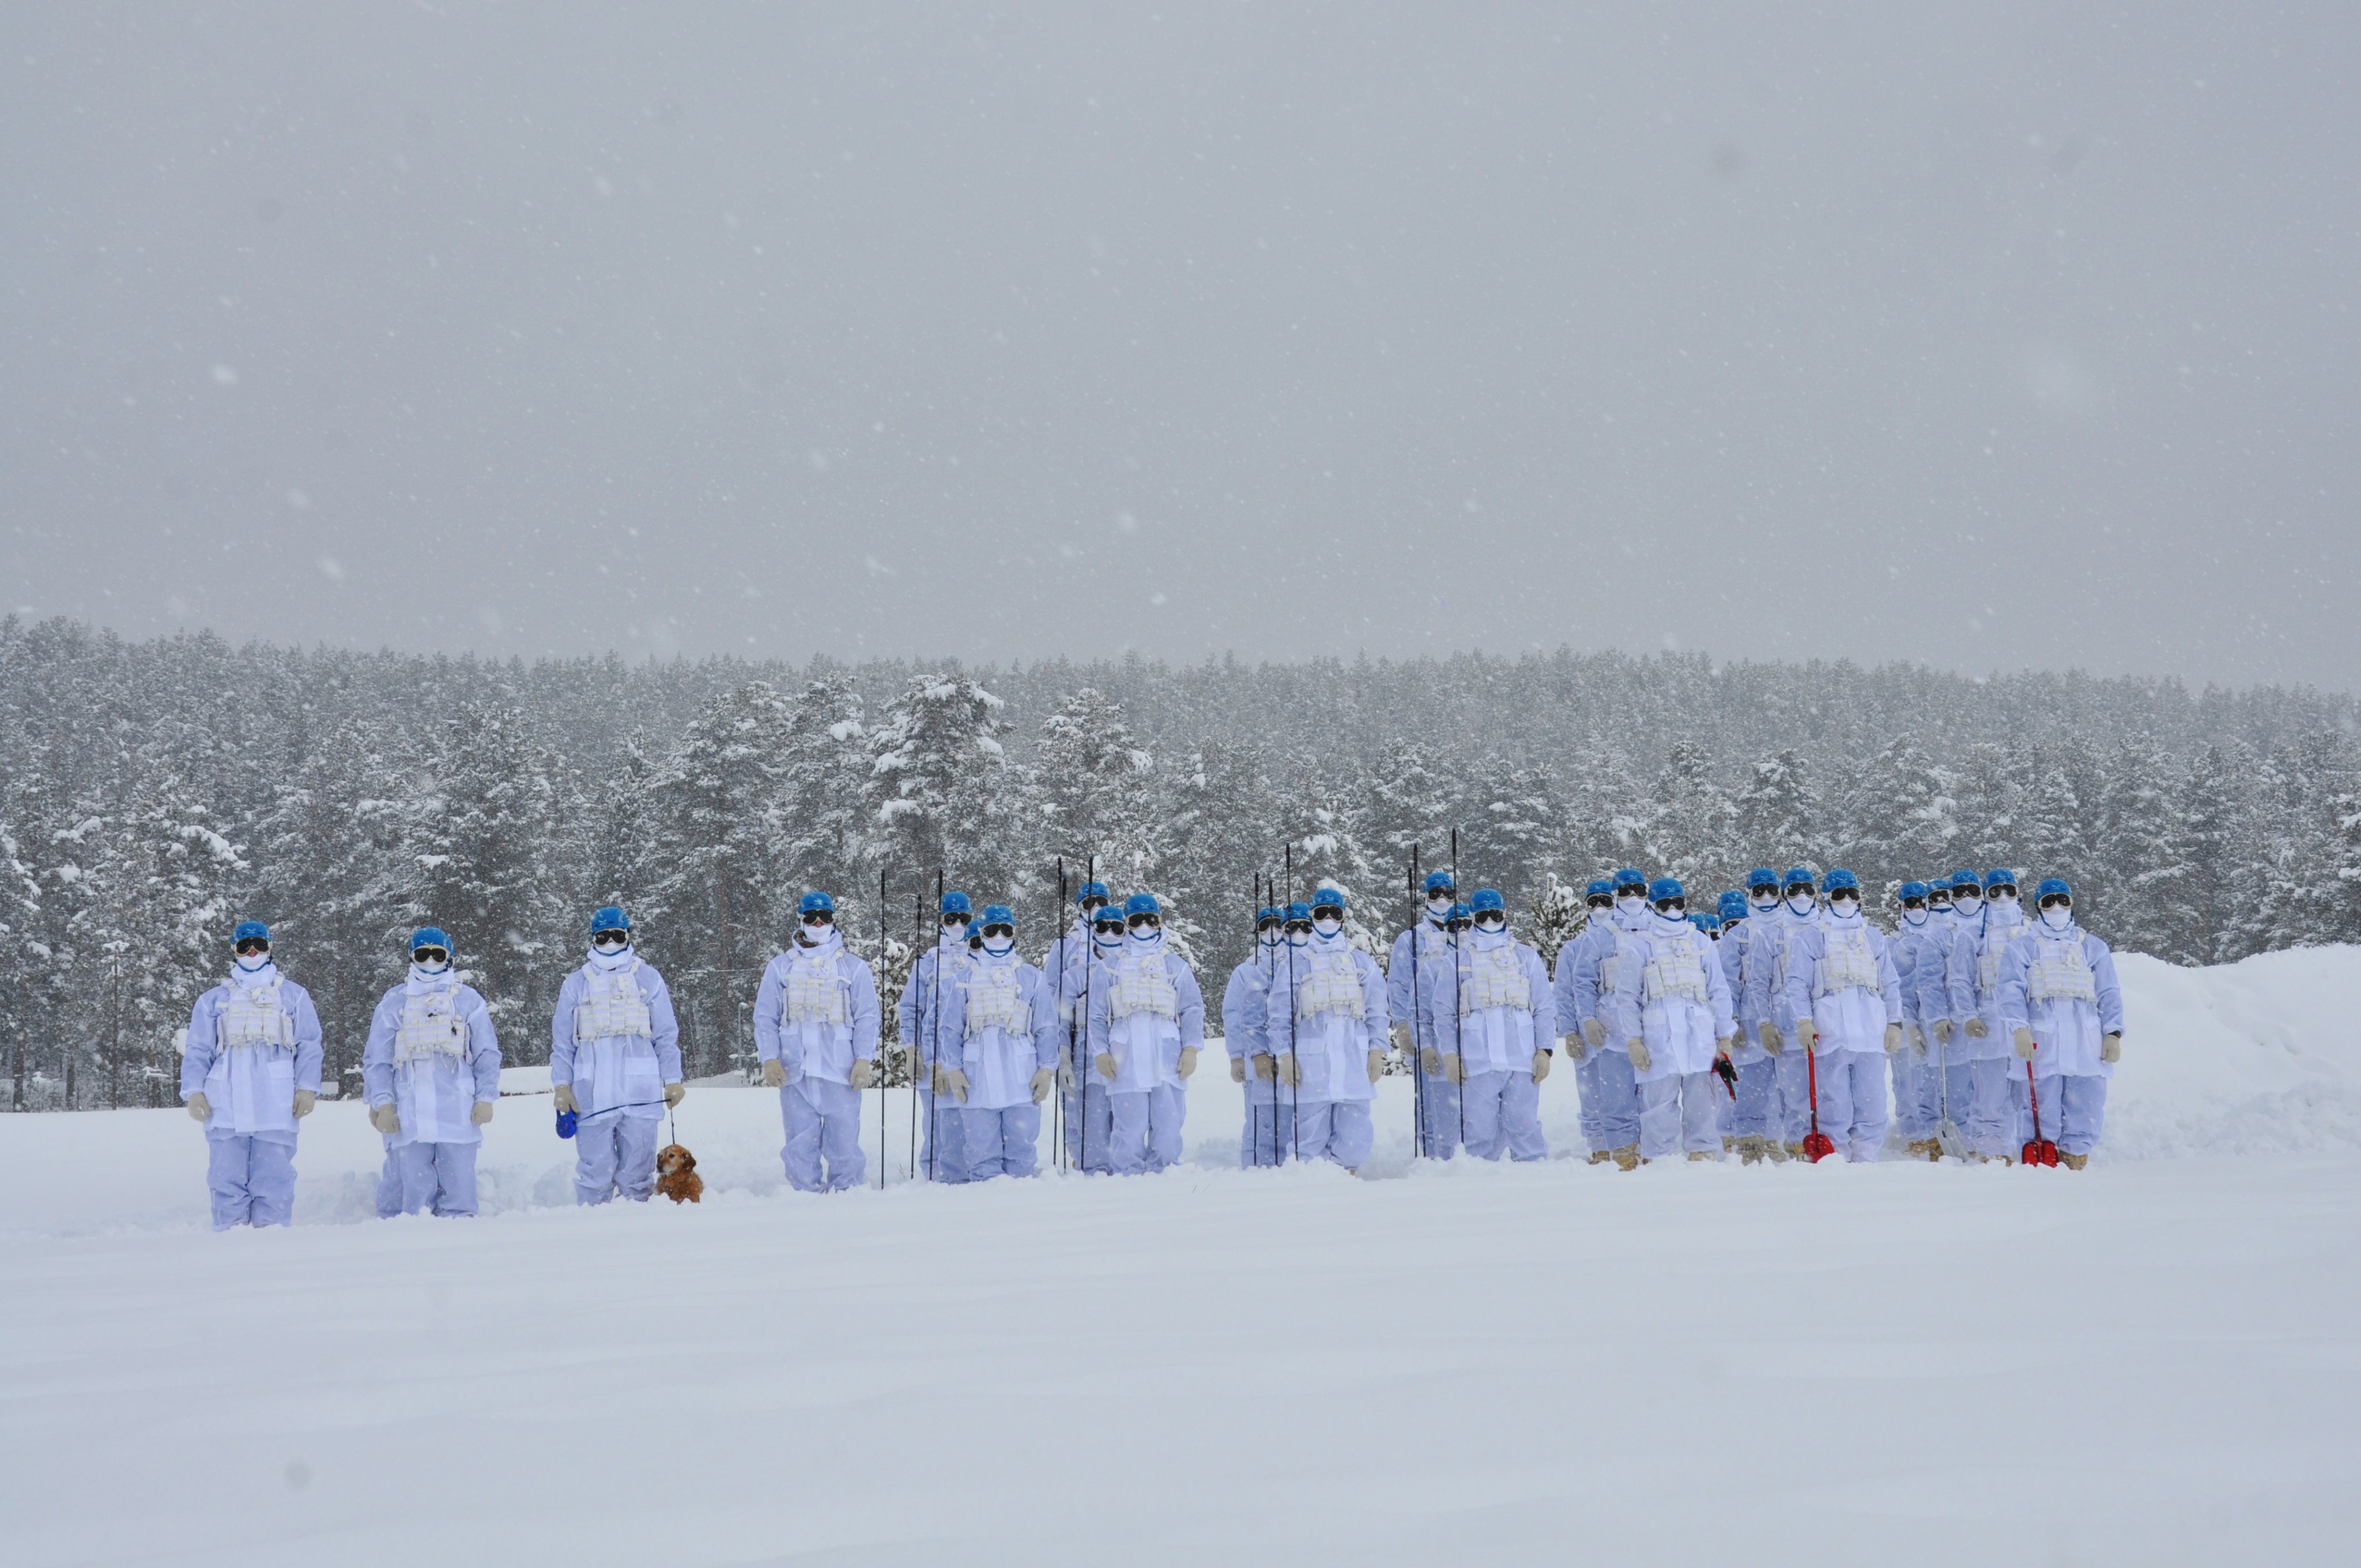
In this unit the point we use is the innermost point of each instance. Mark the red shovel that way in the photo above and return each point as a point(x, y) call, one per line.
point(2038, 1149)
point(1817, 1145)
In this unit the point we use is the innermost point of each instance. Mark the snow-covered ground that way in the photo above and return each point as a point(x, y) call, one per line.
point(2152, 1361)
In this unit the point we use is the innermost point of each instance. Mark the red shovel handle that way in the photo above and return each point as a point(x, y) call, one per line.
point(2038, 1150)
point(1817, 1145)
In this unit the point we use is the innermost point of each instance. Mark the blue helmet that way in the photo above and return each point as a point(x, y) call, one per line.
point(1761, 876)
point(1666, 887)
point(1298, 912)
point(1458, 914)
point(2053, 886)
point(1629, 877)
point(999, 914)
point(1966, 881)
point(1142, 903)
point(1602, 888)
point(1329, 898)
point(2000, 876)
point(1914, 890)
point(609, 918)
point(1734, 906)
point(1844, 881)
point(1439, 881)
point(1487, 898)
point(1091, 890)
point(1108, 915)
point(429, 936)
point(815, 900)
point(1267, 913)
point(1703, 921)
point(956, 904)
point(1799, 876)
point(250, 931)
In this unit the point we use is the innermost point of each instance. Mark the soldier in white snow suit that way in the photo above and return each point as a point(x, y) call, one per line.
point(432, 1072)
point(2064, 1013)
point(1146, 1024)
point(1327, 1027)
point(1067, 967)
point(1846, 1001)
point(1486, 1009)
point(1798, 906)
point(1268, 1125)
point(1943, 1007)
point(928, 1033)
point(1921, 948)
point(1438, 1096)
point(1002, 1062)
point(1752, 1117)
point(1585, 978)
point(250, 1073)
point(816, 1021)
point(614, 1062)
point(1671, 1015)
point(1987, 919)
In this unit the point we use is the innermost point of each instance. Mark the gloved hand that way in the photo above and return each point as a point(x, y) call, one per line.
point(1454, 1069)
point(1576, 1048)
point(1892, 1038)
point(480, 1112)
point(1593, 1033)
point(1541, 1065)
point(1430, 1062)
point(1977, 1028)
point(1377, 1066)
point(1104, 1063)
point(1807, 1033)
point(863, 1073)
point(1721, 1047)
point(1043, 1081)
point(305, 1100)
point(2024, 1044)
point(385, 1118)
point(955, 1084)
point(935, 1078)
point(1237, 1069)
point(774, 1075)
point(1942, 1031)
point(1291, 1072)
point(201, 1108)
point(2111, 1047)
point(1637, 1049)
point(561, 1095)
point(676, 1092)
point(1767, 1033)
point(1915, 1037)
point(1266, 1068)
point(1188, 1062)
point(1401, 1037)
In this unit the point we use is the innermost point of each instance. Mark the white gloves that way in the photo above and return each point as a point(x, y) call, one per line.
point(2111, 1048)
point(774, 1076)
point(935, 1078)
point(2024, 1044)
point(1977, 1028)
point(1894, 1039)
point(1767, 1033)
point(1378, 1064)
point(1942, 1031)
point(1043, 1081)
point(1188, 1061)
point(955, 1084)
point(1637, 1049)
point(863, 1073)
point(1915, 1035)
point(304, 1101)
point(563, 1093)
point(1430, 1062)
point(1401, 1038)
point(480, 1112)
point(201, 1108)
point(1237, 1069)
point(1807, 1033)
point(676, 1092)
point(1104, 1063)
point(1291, 1072)
point(1454, 1069)
point(1541, 1065)
point(1266, 1068)
point(385, 1118)
point(1593, 1033)
point(1575, 1047)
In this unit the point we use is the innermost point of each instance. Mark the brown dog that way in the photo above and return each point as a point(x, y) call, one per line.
point(676, 1176)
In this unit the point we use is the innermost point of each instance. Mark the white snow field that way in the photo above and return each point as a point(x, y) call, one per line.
point(2153, 1361)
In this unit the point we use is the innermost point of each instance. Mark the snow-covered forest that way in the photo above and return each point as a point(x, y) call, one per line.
point(153, 793)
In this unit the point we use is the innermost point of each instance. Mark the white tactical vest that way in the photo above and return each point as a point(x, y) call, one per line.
point(1493, 979)
point(1610, 965)
point(431, 1026)
point(611, 1005)
point(1143, 985)
point(1988, 965)
point(814, 996)
point(2060, 971)
point(1331, 984)
point(994, 1002)
point(251, 1019)
point(1674, 969)
point(1846, 961)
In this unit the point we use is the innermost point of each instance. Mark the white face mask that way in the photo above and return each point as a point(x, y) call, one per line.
point(1631, 903)
point(1269, 939)
point(2058, 919)
point(955, 932)
point(1765, 902)
point(1326, 926)
point(1914, 916)
point(1966, 902)
point(1000, 947)
point(1436, 908)
point(1843, 904)
point(255, 963)
point(1800, 903)
point(2004, 900)
point(1299, 939)
point(442, 966)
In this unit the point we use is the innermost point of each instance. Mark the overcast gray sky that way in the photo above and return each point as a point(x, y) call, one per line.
point(1989, 335)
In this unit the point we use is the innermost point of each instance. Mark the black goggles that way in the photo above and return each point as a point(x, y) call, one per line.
point(1328, 912)
point(1914, 904)
point(1000, 928)
point(610, 939)
point(1637, 889)
point(1666, 904)
point(1490, 917)
point(1261, 925)
point(1142, 922)
point(2058, 901)
point(1601, 901)
point(1457, 922)
point(1793, 888)
point(2008, 888)
point(819, 917)
point(1299, 928)
point(429, 955)
point(252, 945)
point(1938, 896)
point(953, 917)
point(1110, 921)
